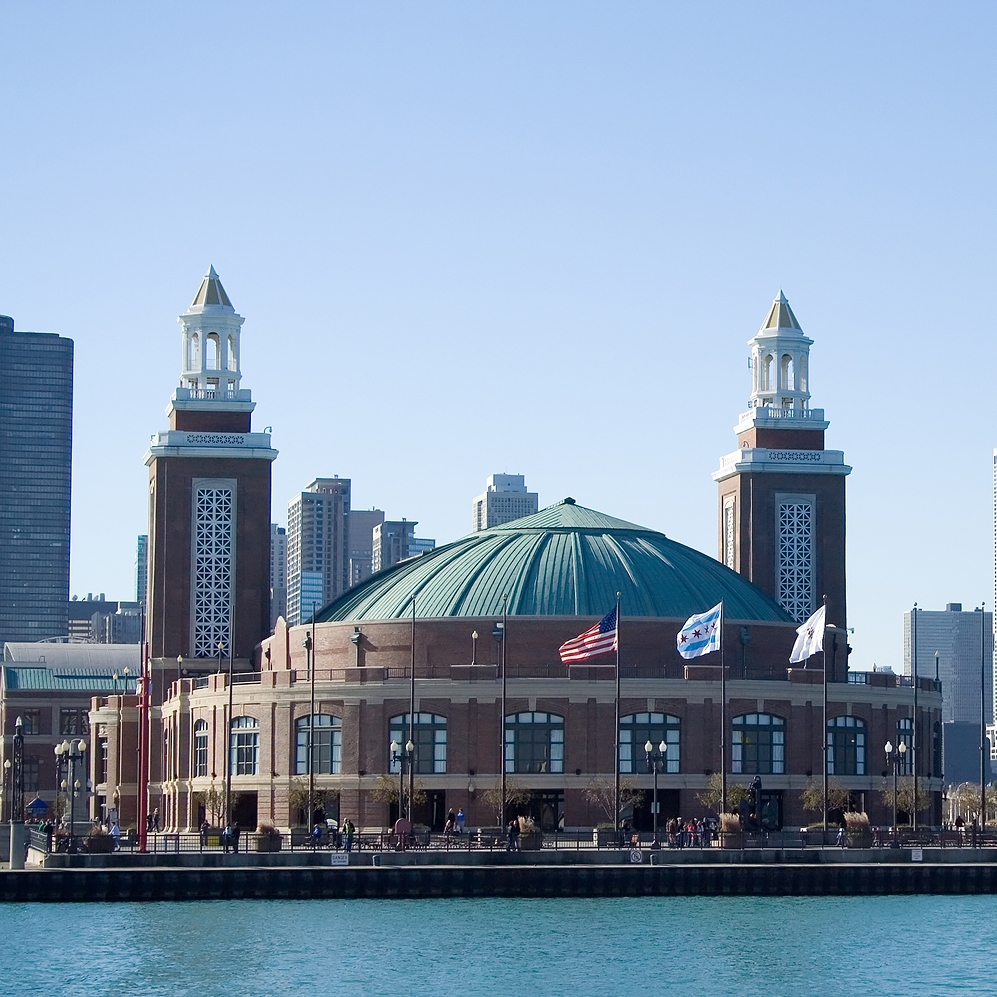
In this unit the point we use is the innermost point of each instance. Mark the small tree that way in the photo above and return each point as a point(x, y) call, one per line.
point(812, 796)
point(905, 802)
point(601, 793)
point(712, 796)
point(386, 790)
point(297, 798)
point(516, 795)
point(213, 801)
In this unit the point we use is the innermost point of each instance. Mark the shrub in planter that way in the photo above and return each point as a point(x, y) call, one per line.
point(98, 844)
point(268, 838)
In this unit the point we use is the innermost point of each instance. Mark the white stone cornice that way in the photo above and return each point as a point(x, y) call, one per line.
point(761, 460)
point(176, 443)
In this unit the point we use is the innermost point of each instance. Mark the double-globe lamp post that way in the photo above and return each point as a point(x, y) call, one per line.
point(895, 757)
point(73, 752)
point(400, 757)
point(656, 763)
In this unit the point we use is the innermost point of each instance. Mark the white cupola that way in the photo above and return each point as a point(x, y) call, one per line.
point(209, 366)
point(780, 362)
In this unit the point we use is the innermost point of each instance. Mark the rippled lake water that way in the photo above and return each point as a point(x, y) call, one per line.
point(886, 946)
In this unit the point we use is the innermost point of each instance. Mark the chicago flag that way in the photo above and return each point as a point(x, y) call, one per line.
point(701, 634)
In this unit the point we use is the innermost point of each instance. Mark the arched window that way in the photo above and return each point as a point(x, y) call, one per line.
point(758, 744)
point(905, 735)
point(192, 351)
point(845, 746)
point(233, 359)
point(200, 748)
point(244, 746)
point(327, 745)
point(786, 378)
point(534, 742)
point(429, 736)
point(767, 373)
point(212, 351)
point(802, 379)
point(639, 728)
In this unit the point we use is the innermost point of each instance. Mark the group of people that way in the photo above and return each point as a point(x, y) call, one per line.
point(690, 833)
point(152, 821)
point(455, 823)
point(341, 837)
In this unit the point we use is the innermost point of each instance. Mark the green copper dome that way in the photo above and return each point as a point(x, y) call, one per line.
point(563, 561)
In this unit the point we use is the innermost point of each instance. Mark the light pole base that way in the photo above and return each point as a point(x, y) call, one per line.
point(18, 845)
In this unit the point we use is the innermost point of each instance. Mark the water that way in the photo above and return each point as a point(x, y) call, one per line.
point(873, 946)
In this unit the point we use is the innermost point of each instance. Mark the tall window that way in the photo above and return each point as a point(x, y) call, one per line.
point(429, 737)
point(30, 768)
point(32, 721)
point(200, 748)
point(639, 728)
point(213, 562)
point(758, 745)
point(102, 760)
point(244, 746)
point(730, 557)
point(795, 574)
point(534, 742)
point(74, 722)
point(327, 745)
point(845, 746)
point(905, 735)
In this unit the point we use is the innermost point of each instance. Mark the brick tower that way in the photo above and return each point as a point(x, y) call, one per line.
point(209, 501)
point(782, 495)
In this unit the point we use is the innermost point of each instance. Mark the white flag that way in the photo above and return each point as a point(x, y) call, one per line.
point(810, 638)
point(701, 634)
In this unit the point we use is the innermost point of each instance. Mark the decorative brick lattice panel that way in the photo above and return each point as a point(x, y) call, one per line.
point(214, 527)
point(796, 558)
point(729, 558)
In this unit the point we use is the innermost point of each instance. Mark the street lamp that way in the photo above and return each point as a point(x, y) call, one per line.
point(894, 757)
point(6, 783)
point(400, 757)
point(656, 763)
point(474, 647)
point(17, 842)
point(74, 752)
point(307, 645)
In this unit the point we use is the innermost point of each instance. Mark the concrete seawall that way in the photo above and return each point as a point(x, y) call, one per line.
point(426, 881)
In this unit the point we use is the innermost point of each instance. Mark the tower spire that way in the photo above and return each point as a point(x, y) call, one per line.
point(780, 362)
point(210, 360)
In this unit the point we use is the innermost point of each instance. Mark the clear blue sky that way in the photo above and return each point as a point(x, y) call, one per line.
point(533, 238)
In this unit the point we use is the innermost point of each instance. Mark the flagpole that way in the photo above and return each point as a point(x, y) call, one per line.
point(723, 717)
point(616, 756)
point(823, 652)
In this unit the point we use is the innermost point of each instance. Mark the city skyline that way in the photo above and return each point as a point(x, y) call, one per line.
point(569, 226)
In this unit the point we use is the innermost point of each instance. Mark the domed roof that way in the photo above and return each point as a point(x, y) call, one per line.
point(563, 561)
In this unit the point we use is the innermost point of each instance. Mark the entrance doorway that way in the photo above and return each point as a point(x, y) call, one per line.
point(244, 809)
point(643, 813)
point(431, 813)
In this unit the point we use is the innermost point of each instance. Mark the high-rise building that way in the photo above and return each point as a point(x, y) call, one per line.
point(362, 524)
point(318, 563)
point(209, 520)
point(391, 542)
point(781, 493)
point(278, 573)
point(36, 446)
point(505, 498)
point(141, 569)
point(958, 648)
point(394, 541)
point(963, 643)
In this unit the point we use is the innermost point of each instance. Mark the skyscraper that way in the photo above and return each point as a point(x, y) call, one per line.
point(362, 525)
point(394, 541)
point(278, 573)
point(318, 561)
point(505, 498)
point(36, 441)
point(781, 493)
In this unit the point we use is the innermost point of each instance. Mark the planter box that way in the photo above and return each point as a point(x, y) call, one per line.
point(532, 842)
point(268, 842)
point(98, 844)
point(730, 839)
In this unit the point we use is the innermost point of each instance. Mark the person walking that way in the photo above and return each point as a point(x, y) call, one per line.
point(348, 832)
point(205, 827)
point(513, 842)
point(316, 836)
point(460, 821)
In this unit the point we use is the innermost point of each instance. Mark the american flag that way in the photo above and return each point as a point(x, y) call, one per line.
point(595, 641)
